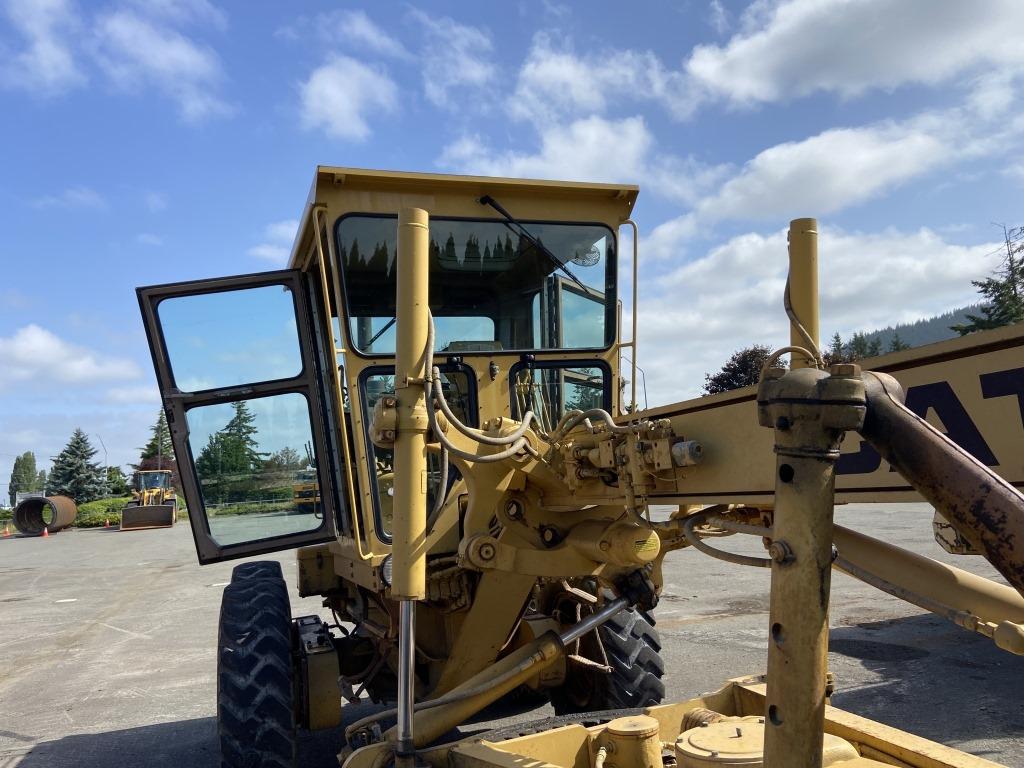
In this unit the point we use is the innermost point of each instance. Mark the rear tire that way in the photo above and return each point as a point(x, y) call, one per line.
point(255, 691)
point(633, 648)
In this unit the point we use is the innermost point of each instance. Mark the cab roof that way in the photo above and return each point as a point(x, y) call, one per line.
point(363, 178)
point(329, 178)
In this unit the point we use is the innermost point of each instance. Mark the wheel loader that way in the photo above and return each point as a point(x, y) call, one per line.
point(154, 502)
point(452, 349)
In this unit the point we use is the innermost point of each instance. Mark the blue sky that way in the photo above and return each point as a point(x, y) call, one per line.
point(146, 142)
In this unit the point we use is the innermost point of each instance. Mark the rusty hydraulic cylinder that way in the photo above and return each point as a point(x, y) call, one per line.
point(809, 410)
point(802, 287)
point(985, 509)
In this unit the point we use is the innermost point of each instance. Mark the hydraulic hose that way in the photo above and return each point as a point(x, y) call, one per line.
point(719, 554)
point(574, 418)
point(434, 378)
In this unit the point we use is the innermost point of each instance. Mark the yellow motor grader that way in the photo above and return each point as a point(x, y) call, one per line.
point(451, 348)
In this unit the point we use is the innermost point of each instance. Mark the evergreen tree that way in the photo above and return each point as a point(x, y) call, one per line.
point(24, 478)
point(74, 473)
point(158, 453)
point(896, 344)
point(835, 353)
point(472, 251)
point(160, 440)
point(1003, 292)
point(117, 483)
point(858, 347)
point(741, 370)
point(875, 347)
point(449, 250)
point(229, 462)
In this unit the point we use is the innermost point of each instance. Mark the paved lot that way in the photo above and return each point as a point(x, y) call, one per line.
point(107, 648)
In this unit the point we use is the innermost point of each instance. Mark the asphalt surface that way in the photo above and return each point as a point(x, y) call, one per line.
point(107, 648)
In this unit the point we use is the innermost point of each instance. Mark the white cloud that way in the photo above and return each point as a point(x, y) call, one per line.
point(590, 149)
point(136, 51)
point(593, 149)
point(277, 245)
point(839, 168)
point(732, 296)
point(148, 238)
point(340, 94)
point(73, 197)
point(35, 354)
point(554, 82)
point(184, 11)
point(155, 201)
point(718, 17)
point(792, 49)
point(453, 56)
point(357, 27)
point(46, 64)
point(145, 394)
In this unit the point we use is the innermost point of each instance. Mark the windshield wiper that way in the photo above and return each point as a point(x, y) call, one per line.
point(519, 229)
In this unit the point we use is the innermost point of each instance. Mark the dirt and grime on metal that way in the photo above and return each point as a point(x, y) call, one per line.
point(108, 648)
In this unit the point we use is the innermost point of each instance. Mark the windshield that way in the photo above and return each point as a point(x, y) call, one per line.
point(490, 288)
point(149, 481)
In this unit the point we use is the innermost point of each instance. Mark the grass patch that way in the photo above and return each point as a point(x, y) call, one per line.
point(248, 508)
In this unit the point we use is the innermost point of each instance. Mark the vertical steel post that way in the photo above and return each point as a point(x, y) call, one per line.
point(809, 410)
point(803, 285)
point(408, 544)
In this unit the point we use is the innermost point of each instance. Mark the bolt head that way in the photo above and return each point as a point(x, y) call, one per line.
point(486, 551)
point(780, 552)
point(845, 369)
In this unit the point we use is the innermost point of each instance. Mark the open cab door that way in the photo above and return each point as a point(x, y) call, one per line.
point(240, 363)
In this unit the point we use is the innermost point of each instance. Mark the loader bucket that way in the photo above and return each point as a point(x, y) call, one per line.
point(154, 516)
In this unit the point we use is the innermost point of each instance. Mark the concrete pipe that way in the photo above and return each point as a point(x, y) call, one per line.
point(34, 515)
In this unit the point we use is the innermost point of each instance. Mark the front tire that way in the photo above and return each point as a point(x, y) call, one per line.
point(633, 648)
point(255, 692)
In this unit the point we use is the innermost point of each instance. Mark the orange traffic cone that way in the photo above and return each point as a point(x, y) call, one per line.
point(46, 532)
point(7, 531)
point(106, 523)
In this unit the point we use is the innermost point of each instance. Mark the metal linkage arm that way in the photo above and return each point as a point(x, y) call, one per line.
point(984, 508)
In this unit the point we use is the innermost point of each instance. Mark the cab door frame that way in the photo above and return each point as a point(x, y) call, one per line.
point(309, 382)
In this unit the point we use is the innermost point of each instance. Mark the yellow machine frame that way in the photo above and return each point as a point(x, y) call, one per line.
point(535, 506)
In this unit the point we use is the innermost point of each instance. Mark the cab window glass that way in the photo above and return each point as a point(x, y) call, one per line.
point(490, 289)
point(552, 390)
point(456, 387)
point(228, 338)
point(254, 463)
